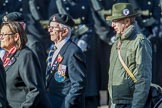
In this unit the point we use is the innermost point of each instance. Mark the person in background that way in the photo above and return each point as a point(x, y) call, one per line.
point(66, 70)
point(3, 98)
point(136, 52)
point(104, 33)
point(2, 53)
point(150, 24)
point(25, 88)
point(33, 42)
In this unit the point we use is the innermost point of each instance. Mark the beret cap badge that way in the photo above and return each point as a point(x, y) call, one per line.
point(54, 19)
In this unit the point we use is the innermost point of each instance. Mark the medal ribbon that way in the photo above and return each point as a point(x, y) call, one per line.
point(50, 55)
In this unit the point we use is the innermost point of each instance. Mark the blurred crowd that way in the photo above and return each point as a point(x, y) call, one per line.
point(91, 32)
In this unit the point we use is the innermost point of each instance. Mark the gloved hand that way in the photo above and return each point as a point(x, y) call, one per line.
point(2, 53)
point(83, 45)
point(155, 31)
point(160, 35)
point(155, 34)
point(112, 40)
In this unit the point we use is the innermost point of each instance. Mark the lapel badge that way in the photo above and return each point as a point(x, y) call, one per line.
point(12, 61)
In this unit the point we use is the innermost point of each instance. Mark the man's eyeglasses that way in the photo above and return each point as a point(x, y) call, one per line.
point(56, 28)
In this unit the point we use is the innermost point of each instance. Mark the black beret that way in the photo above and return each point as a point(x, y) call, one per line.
point(63, 19)
point(13, 16)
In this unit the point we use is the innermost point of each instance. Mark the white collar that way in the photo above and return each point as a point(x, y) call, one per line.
point(61, 43)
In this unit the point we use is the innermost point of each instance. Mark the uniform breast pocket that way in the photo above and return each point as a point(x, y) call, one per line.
point(130, 56)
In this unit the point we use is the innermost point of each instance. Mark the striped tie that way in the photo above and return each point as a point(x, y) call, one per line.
point(50, 55)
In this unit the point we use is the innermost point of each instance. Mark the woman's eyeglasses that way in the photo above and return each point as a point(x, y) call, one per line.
point(4, 35)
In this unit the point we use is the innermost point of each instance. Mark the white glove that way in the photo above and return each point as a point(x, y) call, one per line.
point(2, 53)
point(112, 40)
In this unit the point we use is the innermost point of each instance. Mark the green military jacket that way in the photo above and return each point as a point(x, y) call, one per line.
point(136, 52)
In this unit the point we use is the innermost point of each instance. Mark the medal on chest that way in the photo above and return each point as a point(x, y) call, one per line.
point(60, 75)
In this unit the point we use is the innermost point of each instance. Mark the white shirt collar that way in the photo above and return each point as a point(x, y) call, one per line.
point(61, 43)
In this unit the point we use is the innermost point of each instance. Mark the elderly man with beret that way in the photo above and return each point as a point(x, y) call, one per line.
point(66, 69)
point(131, 50)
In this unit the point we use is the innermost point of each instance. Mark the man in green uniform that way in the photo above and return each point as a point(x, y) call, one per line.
point(136, 52)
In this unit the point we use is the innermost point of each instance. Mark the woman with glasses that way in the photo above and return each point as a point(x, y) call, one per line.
point(25, 88)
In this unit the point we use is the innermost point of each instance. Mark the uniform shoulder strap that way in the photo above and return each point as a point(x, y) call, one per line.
point(33, 10)
point(60, 7)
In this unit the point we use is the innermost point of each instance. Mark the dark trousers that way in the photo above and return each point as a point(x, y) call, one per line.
point(91, 102)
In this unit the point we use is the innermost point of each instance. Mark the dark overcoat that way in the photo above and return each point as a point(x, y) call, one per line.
point(25, 88)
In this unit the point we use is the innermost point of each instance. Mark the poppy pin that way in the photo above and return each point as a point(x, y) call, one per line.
point(59, 58)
